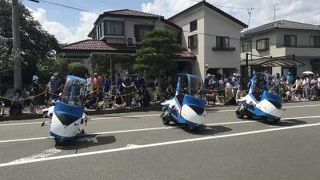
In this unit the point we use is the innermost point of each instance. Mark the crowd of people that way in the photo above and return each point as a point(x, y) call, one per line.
point(226, 90)
point(128, 91)
point(132, 91)
point(221, 88)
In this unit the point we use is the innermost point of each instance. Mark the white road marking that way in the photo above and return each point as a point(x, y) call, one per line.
point(145, 115)
point(133, 147)
point(44, 154)
point(133, 116)
point(92, 119)
point(26, 139)
point(288, 107)
point(152, 129)
point(122, 131)
point(19, 124)
point(302, 106)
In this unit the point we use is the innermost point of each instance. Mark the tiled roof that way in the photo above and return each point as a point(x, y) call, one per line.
point(132, 14)
point(129, 12)
point(97, 46)
point(91, 45)
point(282, 24)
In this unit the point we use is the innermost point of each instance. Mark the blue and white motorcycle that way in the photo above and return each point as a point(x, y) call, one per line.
point(67, 115)
point(260, 101)
point(188, 105)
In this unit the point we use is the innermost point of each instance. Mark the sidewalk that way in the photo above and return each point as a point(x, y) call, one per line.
point(26, 114)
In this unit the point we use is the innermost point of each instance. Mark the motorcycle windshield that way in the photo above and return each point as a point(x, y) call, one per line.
point(74, 91)
point(191, 85)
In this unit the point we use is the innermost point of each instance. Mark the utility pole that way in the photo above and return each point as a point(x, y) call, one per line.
point(275, 8)
point(16, 45)
point(247, 66)
point(249, 13)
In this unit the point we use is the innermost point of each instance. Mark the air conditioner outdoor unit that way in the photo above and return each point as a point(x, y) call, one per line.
point(131, 42)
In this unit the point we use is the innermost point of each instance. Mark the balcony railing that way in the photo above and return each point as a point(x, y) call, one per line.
point(296, 46)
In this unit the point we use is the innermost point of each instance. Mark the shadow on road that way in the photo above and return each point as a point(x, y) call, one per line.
point(290, 122)
point(88, 141)
point(208, 130)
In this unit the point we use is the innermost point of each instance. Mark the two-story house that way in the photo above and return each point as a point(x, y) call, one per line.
point(291, 46)
point(120, 32)
point(210, 37)
point(213, 36)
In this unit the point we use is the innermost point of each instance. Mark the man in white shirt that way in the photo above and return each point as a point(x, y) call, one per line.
point(306, 88)
point(318, 85)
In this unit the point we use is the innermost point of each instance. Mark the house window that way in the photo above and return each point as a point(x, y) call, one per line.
point(113, 28)
point(193, 25)
point(141, 30)
point(246, 46)
point(262, 44)
point(193, 41)
point(222, 42)
point(99, 31)
point(290, 40)
point(314, 41)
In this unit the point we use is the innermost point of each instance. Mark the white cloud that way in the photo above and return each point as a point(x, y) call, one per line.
point(63, 33)
point(295, 10)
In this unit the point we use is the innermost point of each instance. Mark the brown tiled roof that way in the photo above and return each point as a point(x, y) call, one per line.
point(91, 45)
point(97, 46)
point(129, 12)
point(132, 14)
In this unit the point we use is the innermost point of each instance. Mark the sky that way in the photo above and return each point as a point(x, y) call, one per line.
point(70, 25)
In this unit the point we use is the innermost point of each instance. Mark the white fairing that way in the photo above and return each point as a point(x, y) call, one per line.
point(265, 106)
point(65, 131)
point(189, 114)
point(269, 108)
point(172, 104)
point(250, 100)
point(50, 111)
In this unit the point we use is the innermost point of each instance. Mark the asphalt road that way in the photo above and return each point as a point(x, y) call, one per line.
point(138, 146)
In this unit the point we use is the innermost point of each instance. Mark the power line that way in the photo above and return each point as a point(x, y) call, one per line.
point(67, 6)
point(230, 7)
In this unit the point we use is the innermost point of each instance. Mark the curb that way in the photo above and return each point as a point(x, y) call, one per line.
point(25, 115)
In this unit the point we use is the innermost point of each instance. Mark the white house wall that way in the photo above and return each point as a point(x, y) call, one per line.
point(218, 25)
point(272, 51)
point(277, 49)
point(210, 22)
point(184, 23)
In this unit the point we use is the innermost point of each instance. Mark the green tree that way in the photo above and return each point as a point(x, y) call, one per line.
point(78, 69)
point(157, 52)
point(101, 63)
point(35, 42)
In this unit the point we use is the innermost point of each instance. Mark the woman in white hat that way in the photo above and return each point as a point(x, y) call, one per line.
point(35, 92)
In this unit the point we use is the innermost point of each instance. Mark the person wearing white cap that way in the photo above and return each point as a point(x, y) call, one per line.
point(35, 89)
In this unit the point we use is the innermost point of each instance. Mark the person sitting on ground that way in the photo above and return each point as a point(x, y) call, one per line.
point(318, 85)
point(118, 101)
point(91, 100)
point(2, 106)
point(16, 104)
point(169, 92)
